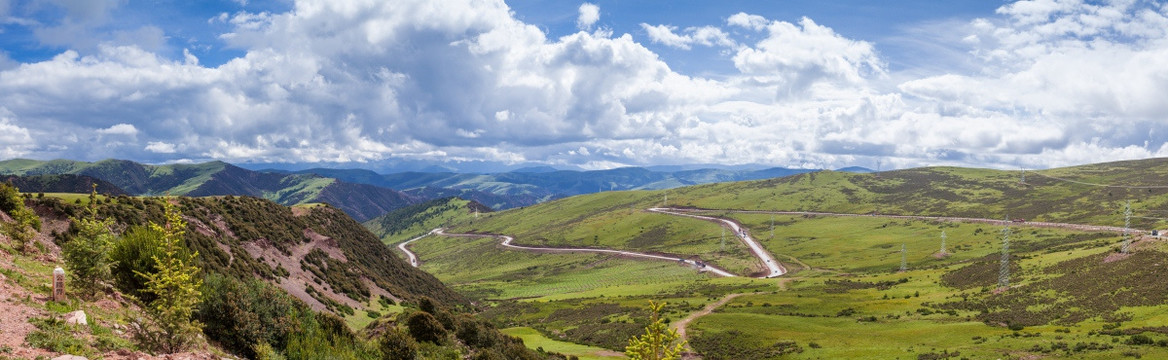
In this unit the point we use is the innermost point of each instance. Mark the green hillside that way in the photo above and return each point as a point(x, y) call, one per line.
point(300, 283)
point(1072, 294)
point(417, 220)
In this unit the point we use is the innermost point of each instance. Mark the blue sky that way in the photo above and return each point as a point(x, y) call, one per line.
point(816, 84)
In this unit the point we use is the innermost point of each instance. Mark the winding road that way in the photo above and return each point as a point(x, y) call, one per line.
point(775, 268)
point(410, 254)
point(508, 239)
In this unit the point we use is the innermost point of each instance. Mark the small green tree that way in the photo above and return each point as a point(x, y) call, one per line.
point(25, 221)
point(176, 285)
point(658, 341)
point(87, 254)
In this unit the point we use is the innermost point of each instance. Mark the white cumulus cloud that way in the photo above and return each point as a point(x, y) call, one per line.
point(1053, 82)
point(589, 15)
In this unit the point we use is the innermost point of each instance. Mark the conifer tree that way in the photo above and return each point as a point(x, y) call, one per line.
point(176, 285)
point(658, 341)
point(87, 254)
point(25, 221)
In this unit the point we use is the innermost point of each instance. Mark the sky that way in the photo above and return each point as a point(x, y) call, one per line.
point(591, 85)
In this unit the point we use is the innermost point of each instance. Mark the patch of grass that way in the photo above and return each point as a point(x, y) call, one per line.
point(54, 335)
point(534, 340)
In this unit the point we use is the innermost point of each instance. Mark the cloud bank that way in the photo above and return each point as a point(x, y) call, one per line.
point(1060, 82)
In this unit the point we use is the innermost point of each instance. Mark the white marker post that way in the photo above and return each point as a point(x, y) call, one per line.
point(59, 284)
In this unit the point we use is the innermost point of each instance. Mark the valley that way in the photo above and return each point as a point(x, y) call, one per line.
point(843, 278)
point(791, 267)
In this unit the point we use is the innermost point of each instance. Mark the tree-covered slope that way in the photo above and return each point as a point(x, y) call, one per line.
point(67, 183)
point(416, 220)
point(316, 247)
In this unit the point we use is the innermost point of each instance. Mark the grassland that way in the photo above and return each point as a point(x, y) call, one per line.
point(533, 339)
point(617, 220)
point(1071, 295)
point(873, 244)
point(495, 272)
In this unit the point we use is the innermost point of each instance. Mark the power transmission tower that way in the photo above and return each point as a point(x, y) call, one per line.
point(1023, 180)
point(903, 258)
point(772, 226)
point(666, 202)
point(877, 168)
point(943, 252)
point(1004, 272)
point(1127, 238)
point(723, 247)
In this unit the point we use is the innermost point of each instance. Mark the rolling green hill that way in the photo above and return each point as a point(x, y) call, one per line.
point(215, 178)
point(1072, 194)
point(417, 220)
point(1072, 293)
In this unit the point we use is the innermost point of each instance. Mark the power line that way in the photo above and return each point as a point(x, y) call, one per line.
point(1100, 185)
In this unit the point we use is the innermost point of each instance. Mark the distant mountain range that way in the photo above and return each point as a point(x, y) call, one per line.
point(528, 186)
point(361, 201)
point(363, 194)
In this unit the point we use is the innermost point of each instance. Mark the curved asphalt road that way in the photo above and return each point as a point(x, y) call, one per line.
point(410, 254)
point(772, 265)
point(507, 242)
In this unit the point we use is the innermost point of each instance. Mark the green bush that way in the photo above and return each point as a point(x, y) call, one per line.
point(396, 344)
point(244, 315)
point(133, 254)
point(425, 328)
point(322, 339)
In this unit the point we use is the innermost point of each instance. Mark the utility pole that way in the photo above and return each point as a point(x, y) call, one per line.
point(1004, 271)
point(903, 258)
point(1127, 238)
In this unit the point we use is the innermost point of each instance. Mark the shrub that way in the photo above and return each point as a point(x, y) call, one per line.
point(425, 328)
point(134, 254)
point(244, 316)
point(1140, 339)
point(396, 344)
